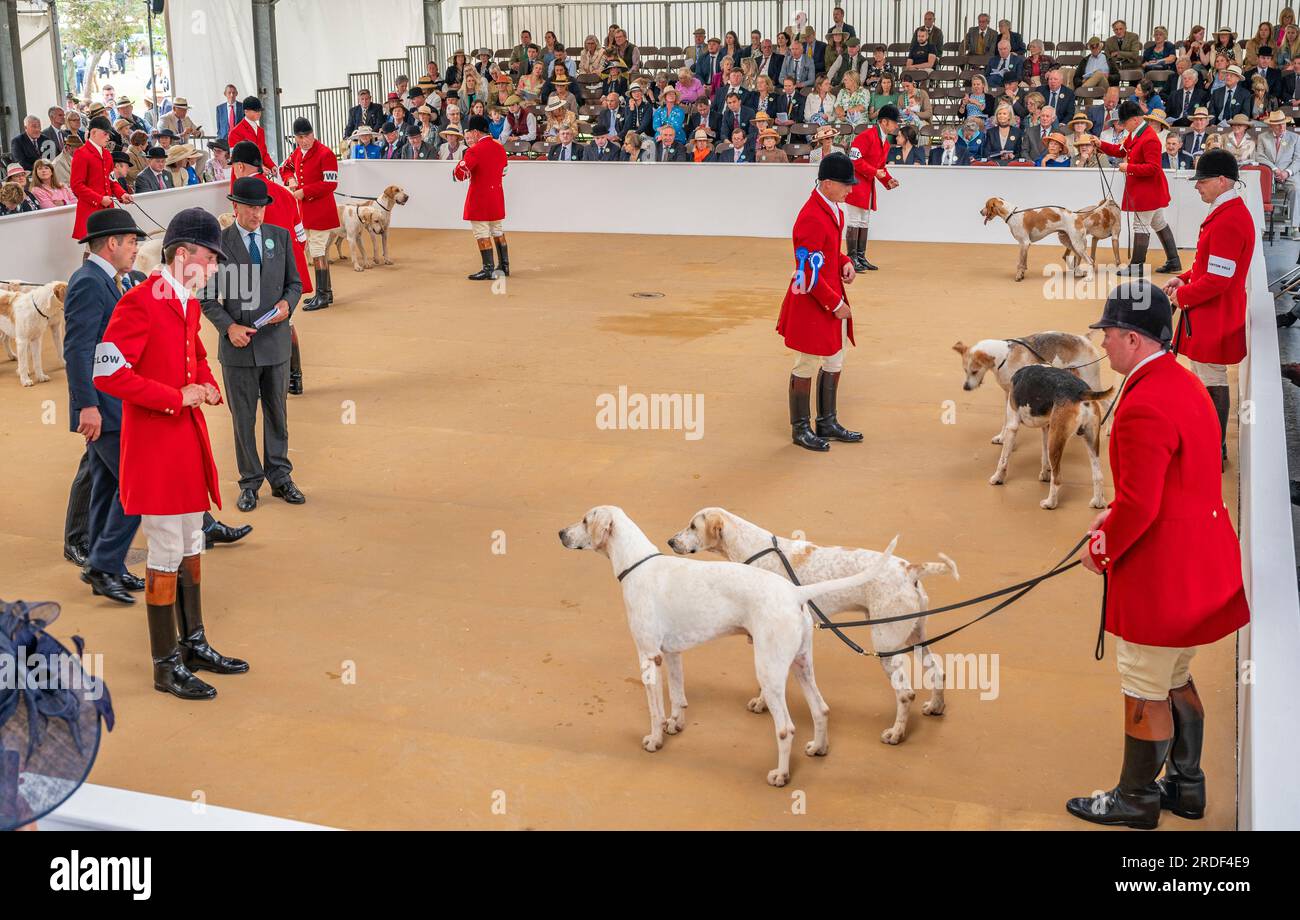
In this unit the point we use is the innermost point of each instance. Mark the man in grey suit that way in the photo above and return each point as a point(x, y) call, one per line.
point(154, 177)
point(1278, 149)
point(259, 279)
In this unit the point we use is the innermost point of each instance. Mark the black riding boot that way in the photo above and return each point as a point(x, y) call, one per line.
point(1182, 789)
point(194, 643)
point(320, 300)
point(484, 273)
point(503, 257)
point(852, 239)
point(295, 369)
point(1222, 399)
point(1173, 264)
point(800, 400)
point(329, 284)
point(1135, 802)
point(828, 426)
point(170, 675)
point(862, 251)
point(1137, 256)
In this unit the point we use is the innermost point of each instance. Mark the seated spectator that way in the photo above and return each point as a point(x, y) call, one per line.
point(45, 187)
point(591, 60)
point(531, 84)
point(1288, 47)
point(789, 104)
point(1085, 151)
point(1002, 142)
point(1189, 96)
point(1080, 126)
point(454, 143)
point(1123, 48)
point(428, 128)
point(768, 152)
point(823, 143)
point(852, 58)
point(923, 55)
point(612, 117)
point(1003, 64)
point(417, 147)
point(1028, 111)
point(670, 113)
point(365, 146)
point(1013, 94)
point(735, 152)
point(735, 116)
point(562, 63)
point(623, 50)
point(14, 198)
point(1266, 70)
point(564, 149)
point(615, 73)
point(765, 97)
point(139, 143)
point(906, 152)
point(63, 162)
point(723, 75)
point(558, 117)
point(521, 124)
point(399, 116)
point(636, 149)
point(970, 138)
point(1225, 43)
point(915, 109)
point(667, 149)
point(689, 87)
point(1160, 53)
point(72, 126)
point(484, 66)
point(182, 163)
point(1033, 144)
point(502, 89)
point(1215, 78)
point(121, 164)
point(471, 90)
point(749, 73)
point(1013, 38)
point(799, 65)
point(1174, 157)
point(25, 148)
point(559, 89)
point(885, 94)
point(875, 68)
point(1261, 101)
point(453, 117)
point(552, 47)
point(1111, 133)
point(1057, 95)
point(702, 117)
point(1238, 142)
point(640, 110)
point(835, 49)
point(981, 38)
point(457, 67)
point(1105, 110)
point(604, 148)
point(1231, 98)
point(496, 121)
point(949, 152)
point(16, 175)
point(731, 88)
point(1037, 65)
point(1095, 69)
point(852, 103)
point(1145, 95)
point(1055, 154)
point(701, 145)
point(155, 176)
point(1263, 38)
point(976, 102)
point(217, 169)
point(819, 106)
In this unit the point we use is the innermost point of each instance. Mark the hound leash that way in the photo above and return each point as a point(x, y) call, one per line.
point(148, 215)
point(825, 620)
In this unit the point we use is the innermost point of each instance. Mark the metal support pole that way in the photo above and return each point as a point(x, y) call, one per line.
point(153, 67)
point(432, 20)
point(266, 72)
point(56, 48)
point(13, 98)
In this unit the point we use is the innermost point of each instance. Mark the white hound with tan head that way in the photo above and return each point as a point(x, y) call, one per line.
point(1029, 225)
point(24, 317)
point(895, 591)
point(371, 218)
point(674, 604)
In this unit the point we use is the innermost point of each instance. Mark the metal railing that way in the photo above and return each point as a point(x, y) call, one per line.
point(389, 70)
point(288, 113)
point(657, 24)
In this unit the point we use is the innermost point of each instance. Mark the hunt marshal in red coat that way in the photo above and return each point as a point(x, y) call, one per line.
point(151, 358)
point(1212, 294)
point(1171, 561)
point(484, 165)
point(815, 316)
point(250, 129)
point(870, 153)
point(1146, 193)
point(312, 174)
point(91, 176)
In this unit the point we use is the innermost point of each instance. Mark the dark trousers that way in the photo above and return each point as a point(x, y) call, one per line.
point(76, 520)
point(110, 529)
point(245, 388)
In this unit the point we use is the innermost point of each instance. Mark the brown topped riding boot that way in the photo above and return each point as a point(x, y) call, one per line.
point(1182, 788)
point(194, 643)
point(828, 426)
point(800, 412)
point(170, 675)
point(1135, 802)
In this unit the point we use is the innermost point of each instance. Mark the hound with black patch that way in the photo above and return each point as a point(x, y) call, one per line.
point(896, 591)
point(1061, 404)
point(1029, 225)
point(675, 604)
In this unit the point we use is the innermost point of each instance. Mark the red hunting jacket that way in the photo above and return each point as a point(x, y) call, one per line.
point(1212, 325)
point(255, 134)
point(868, 153)
point(150, 350)
point(91, 179)
point(483, 165)
point(1173, 559)
point(1145, 187)
point(808, 320)
point(317, 174)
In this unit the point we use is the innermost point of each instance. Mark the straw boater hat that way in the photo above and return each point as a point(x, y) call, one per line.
point(560, 79)
point(614, 65)
point(1086, 140)
point(1233, 68)
point(767, 132)
point(452, 131)
point(1059, 138)
point(180, 152)
point(555, 104)
point(1277, 117)
point(1224, 30)
point(125, 100)
point(451, 58)
point(762, 116)
point(362, 131)
point(424, 110)
point(824, 132)
point(1241, 118)
point(180, 103)
point(1080, 118)
point(702, 134)
point(677, 97)
point(1158, 116)
point(1200, 112)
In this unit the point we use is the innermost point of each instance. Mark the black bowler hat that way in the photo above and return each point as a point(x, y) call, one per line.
point(167, 132)
point(301, 126)
point(414, 131)
point(1128, 109)
point(119, 156)
point(101, 123)
point(838, 168)
point(252, 104)
point(110, 222)
point(219, 144)
point(195, 226)
point(155, 153)
point(478, 123)
point(246, 152)
point(1217, 163)
point(1140, 306)
point(249, 190)
point(888, 111)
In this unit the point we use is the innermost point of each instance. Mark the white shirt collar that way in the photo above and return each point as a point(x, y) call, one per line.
point(835, 209)
point(104, 264)
point(1223, 199)
point(1147, 360)
point(176, 286)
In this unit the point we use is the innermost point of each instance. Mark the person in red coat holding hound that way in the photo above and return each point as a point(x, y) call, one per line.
point(815, 316)
point(484, 165)
point(1212, 294)
point(870, 153)
point(1171, 558)
point(152, 359)
point(312, 174)
point(1146, 193)
point(91, 175)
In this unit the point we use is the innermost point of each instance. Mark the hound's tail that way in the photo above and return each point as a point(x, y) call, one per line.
point(916, 572)
point(1097, 395)
point(809, 592)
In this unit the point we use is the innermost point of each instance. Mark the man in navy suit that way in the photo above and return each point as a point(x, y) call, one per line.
point(230, 112)
point(93, 291)
point(1186, 98)
point(949, 152)
point(1059, 96)
point(1003, 64)
point(1232, 98)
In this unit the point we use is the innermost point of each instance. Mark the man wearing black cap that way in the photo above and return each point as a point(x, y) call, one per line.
point(313, 176)
point(152, 358)
point(250, 129)
point(1171, 559)
point(869, 153)
point(93, 292)
point(1146, 192)
point(416, 147)
point(92, 176)
point(815, 316)
point(260, 277)
point(1212, 293)
point(155, 176)
point(484, 165)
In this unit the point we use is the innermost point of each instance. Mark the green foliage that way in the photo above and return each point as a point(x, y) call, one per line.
point(98, 25)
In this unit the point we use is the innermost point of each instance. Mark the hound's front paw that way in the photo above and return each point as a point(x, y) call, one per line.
point(933, 707)
point(1097, 502)
point(777, 778)
point(387, 261)
point(997, 439)
point(28, 381)
point(892, 735)
point(814, 749)
point(1020, 276)
point(1048, 504)
point(675, 723)
point(756, 705)
point(1044, 475)
point(652, 743)
point(997, 479)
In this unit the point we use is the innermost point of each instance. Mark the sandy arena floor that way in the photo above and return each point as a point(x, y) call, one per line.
point(441, 420)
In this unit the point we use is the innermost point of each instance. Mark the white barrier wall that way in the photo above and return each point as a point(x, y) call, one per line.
point(39, 247)
point(932, 203)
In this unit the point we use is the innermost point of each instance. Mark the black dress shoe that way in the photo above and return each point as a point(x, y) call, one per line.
point(132, 582)
point(247, 500)
point(220, 533)
point(289, 492)
point(105, 584)
point(1284, 321)
point(76, 553)
point(483, 274)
